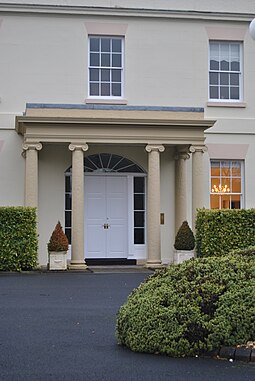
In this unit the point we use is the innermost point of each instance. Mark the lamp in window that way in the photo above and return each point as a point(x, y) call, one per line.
point(220, 189)
point(252, 29)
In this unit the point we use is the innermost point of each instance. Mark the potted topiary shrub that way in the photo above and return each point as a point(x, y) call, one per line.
point(184, 244)
point(57, 249)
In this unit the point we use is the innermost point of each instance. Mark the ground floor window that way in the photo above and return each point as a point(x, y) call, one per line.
point(226, 184)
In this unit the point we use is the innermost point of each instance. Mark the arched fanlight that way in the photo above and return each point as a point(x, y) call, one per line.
point(107, 162)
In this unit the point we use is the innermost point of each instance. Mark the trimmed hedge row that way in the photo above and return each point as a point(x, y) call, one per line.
point(220, 231)
point(191, 308)
point(18, 238)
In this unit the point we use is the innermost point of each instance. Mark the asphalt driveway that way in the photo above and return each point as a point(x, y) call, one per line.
point(61, 326)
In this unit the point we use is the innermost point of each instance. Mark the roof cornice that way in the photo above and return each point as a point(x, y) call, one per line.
point(124, 12)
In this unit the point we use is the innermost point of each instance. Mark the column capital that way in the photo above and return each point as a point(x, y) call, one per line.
point(182, 153)
point(35, 146)
point(76, 146)
point(155, 147)
point(198, 148)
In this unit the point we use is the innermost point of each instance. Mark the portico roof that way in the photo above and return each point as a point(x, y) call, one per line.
point(113, 124)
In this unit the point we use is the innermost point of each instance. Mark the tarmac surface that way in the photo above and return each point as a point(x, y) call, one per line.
point(61, 326)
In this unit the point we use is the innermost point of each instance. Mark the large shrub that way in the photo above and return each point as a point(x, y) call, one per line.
point(220, 231)
point(18, 238)
point(194, 307)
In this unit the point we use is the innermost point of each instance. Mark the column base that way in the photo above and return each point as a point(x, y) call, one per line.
point(77, 266)
point(154, 265)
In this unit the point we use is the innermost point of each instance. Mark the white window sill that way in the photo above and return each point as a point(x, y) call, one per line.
point(106, 101)
point(226, 104)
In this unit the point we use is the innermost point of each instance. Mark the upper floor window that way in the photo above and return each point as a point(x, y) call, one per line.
point(226, 184)
point(106, 67)
point(225, 71)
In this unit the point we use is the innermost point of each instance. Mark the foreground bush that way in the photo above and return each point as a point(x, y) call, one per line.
point(220, 231)
point(18, 238)
point(191, 308)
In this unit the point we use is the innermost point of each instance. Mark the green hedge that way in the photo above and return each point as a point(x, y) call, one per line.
point(18, 238)
point(191, 308)
point(220, 231)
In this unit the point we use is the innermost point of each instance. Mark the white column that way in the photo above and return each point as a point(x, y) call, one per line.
point(153, 211)
point(31, 173)
point(197, 180)
point(77, 257)
point(181, 186)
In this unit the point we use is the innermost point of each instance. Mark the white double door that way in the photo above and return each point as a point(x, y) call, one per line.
point(106, 216)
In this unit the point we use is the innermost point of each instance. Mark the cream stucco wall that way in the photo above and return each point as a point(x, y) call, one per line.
point(11, 169)
point(44, 60)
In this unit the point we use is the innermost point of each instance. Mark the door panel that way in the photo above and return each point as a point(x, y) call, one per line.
point(105, 217)
point(117, 217)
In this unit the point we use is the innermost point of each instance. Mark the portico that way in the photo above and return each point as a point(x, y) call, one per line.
point(152, 130)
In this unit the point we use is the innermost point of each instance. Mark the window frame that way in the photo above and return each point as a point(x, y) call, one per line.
point(240, 72)
point(121, 68)
point(241, 193)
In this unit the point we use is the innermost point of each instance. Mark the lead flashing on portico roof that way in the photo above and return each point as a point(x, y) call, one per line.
point(113, 107)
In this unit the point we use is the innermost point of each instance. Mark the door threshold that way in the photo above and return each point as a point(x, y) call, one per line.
point(110, 262)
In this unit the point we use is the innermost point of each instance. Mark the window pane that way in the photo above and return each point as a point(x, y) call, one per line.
point(105, 75)
point(215, 202)
point(234, 93)
point(116, 60)
point(224, 92)
point(116, 45)
point(105, 59)
point(224, 78)
point(214, 78)
point(225, 202)
point(214, 92)
point(68, 201)
point(235, 66)
point(139, 185)
point(105, 89)
point(215, 168)
point(214, 65)
point(94, 59)
point(105, 44)
point(235, 202)
point(116, 75)
point(94, 89)
point(236, 185)
point(234, 79)
point(68, 183)
point(68, 219)
point(139, 236)
point(215, 185)
point(116, 89)
point(225, 168)
point(139, 219)
point(94, 75)
point(139, 202)
point(94, 44)
point(236, 168)
point(69, 235)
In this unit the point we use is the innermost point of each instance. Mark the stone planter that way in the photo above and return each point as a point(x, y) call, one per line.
point(57, 260)
point(183, 255)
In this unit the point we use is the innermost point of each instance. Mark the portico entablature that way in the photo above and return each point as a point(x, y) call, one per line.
point(113, 126)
